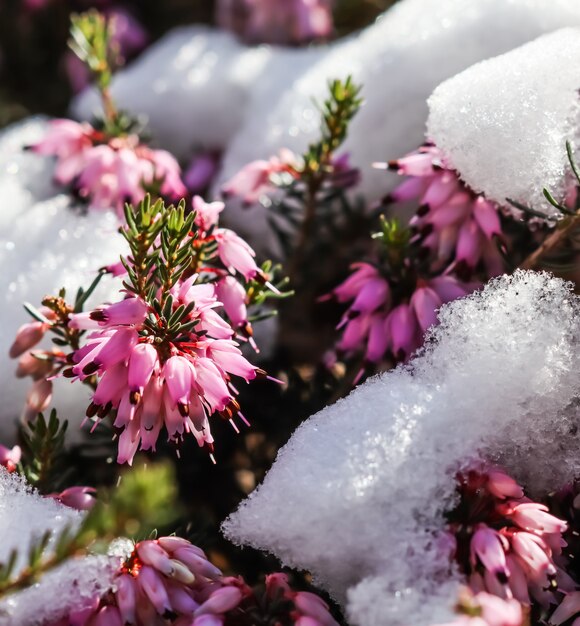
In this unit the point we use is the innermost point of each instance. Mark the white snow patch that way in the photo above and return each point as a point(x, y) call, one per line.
point(503, 123)
point(24, 517)
point(357, 496)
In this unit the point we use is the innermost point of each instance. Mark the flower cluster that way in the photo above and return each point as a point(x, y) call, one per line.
point(160, 357)
point(382, 325)
point(152, 378)
point(277, 21)
point(507, 544)
point(109, 171)
point(457, 226)
point(170, 580)
point(10, 457)
point(451, 242)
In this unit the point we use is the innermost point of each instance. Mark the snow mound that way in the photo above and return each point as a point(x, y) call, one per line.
point(24, 517)
point(45, 244)
point(503, 123)
point(357, 495)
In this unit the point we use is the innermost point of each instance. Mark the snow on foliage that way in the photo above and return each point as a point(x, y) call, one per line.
point(503, 123)
point(358, 494)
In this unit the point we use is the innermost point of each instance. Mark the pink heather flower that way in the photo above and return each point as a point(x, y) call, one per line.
point(344, 175)
point(38, 398)
point(168, 576)
point(457, 225)
point(68, 141)
point(309, 609)
point(511, 543)
point(79, 498)
point(277, 21)
point(503, 486)
point(27, 336)
point(109, 172)
point(206, 213)
point(236, 254)
point(375, 325)
point(233, 296)
point(176, 385)
point(253, 181)
point(489, 548)
point(533, 517)
point(10, 457)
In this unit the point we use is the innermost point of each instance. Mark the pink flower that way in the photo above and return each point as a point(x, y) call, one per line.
point(489, 548)
point(10, 457)
point(533, 517)
point(27, 336)
point(176, 384)
point(79, 498)
point(69, 142)
point(109, 171)
point(154, 581)
point(38, 398)
point(504, 559)
point(253, 181)
point(236, 254)
point(454, 223)
point(377, 325)
point(277, 21)
point(233, 296)
point(206, 213)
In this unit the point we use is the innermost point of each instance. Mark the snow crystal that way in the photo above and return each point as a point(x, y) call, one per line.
point(45, 244)
point(503, 123)
point(71, 586)
point(24, 517)
point(208, 91)
point(357, 496)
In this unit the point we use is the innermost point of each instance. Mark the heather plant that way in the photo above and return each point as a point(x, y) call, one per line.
point(106, 163)
point(160, 357)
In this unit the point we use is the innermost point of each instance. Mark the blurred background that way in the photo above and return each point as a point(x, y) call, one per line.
point(39, 75)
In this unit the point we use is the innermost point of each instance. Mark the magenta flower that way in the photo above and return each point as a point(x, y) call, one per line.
point(168, 576)
point(277, 21)
point(79, 498)
point(10, 457)
point(512, 543)
point(376, 325)
point(456, 225)
point(68, 141)
point(176, 383)
point(254, 180)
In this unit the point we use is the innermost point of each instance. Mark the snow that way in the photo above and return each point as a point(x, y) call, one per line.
point(503, 123)
point(24, 517)
point(357, 496)
point(211, 92)
point(45, 244)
